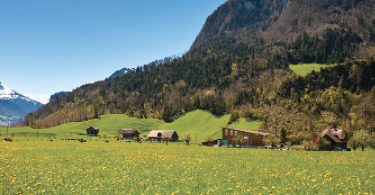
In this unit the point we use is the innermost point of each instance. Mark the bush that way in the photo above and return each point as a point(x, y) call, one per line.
point(353, 143)
point(323, 143)
point(271, 140)
point(308, 145)
point(254, 114)
point(234, 116)
point(298, 138)
point(187, 139)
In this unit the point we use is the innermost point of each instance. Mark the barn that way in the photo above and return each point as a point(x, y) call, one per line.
point(162, 135)
point(130, 134)
point(244, 138)
point(92, 131)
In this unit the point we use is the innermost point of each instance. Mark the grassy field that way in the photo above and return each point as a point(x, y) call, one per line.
point(200, 124)
point(64, 167)
point(305, 69)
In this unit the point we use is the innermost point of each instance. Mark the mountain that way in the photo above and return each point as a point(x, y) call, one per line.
point(14, 106)
point(298, 31)
point(57, 96)
point(239, 64)
point(121, 72)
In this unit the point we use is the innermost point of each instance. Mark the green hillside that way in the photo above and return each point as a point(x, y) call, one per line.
point(305, 69)
point(200, 124)
point(108, 125)
point(246, 124)
point(203, 125)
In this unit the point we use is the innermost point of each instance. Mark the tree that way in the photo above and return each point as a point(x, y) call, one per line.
point(283, 136)
point(361, 138)
point(209, 139)
point(167, 115)
point(234, 116)
point(187, 139)
point(353, 143)
point(372, 141)
point(270, 140)
point(329, 118)
point(299, 137)
point(181, 86)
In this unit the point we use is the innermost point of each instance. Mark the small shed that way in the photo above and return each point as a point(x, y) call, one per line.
point(244, 138)
point(163, 135)
point(92, 131)
point(336, 137)
point(130, 134)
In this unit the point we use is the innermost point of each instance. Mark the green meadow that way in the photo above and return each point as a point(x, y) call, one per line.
point(305, 69)
point(200, 124)
point(96, 167)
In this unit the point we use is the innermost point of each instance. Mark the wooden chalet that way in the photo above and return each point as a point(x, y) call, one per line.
point(130, 134)
point(92, 131)
point(162, 135)
point(336, 137)
point(244, 138)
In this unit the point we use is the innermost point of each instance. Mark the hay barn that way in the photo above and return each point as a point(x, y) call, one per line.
point(162, 135)
point(336, 138)
point(130, 134)
point(92, 131)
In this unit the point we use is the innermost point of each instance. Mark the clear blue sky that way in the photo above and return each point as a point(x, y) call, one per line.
point(48, 46)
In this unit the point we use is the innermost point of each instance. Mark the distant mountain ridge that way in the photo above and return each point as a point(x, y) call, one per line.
point(121, 72)
point(14, 106)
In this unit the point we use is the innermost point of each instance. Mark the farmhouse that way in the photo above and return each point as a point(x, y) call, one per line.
point(130, 134)
point(244, 138)
point(337, 139)
point(92, 131)
point(162, 135)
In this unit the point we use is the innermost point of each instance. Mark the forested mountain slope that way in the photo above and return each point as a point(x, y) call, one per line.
point(238, 64)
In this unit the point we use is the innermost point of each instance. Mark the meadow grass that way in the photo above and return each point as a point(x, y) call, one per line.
point(64, 167)
point(200, 124)
point(305, 69)
point(246, 124)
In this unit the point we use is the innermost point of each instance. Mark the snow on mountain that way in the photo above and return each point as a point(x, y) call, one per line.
point(15, 106)
point(121, 72)
point(7, 93)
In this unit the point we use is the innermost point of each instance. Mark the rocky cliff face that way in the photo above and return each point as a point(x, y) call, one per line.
point(269, 22)
point(237, 16)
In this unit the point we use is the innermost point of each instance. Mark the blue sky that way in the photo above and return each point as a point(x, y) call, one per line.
point(48, 46)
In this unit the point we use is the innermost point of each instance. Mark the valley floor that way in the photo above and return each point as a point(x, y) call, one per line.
point(96, 167)
point(200, 124)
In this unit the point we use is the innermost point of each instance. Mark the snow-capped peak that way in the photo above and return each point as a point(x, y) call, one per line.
point(14, 106)
point(7, 93)
point(122, 72)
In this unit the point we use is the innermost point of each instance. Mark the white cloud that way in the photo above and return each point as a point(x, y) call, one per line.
point(44, 99)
